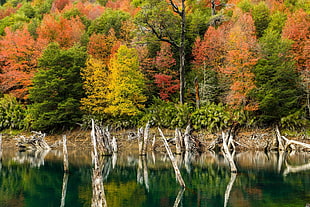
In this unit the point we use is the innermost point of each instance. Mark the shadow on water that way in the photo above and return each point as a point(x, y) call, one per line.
point(263, 179)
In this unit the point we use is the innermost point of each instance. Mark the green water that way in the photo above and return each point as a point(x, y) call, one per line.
point(33, 180)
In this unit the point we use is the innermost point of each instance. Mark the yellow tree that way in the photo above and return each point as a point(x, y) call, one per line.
point(126, 84)
point(95, 76)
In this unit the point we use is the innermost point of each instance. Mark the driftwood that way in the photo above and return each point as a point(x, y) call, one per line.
point(178, 141)
point(35, 142)
point(143, 136)
point(227, 144)
point(174, 164)
point(285, 143)
point(105, 144)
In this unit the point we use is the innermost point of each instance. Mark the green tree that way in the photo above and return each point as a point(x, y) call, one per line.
point(110, 19)
point(261, 18)
point(277, 92)
point(126, 84)
point(57, 88)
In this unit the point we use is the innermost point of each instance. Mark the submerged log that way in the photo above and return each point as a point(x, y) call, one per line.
point(143, 136)
point(98, 195)
point(65, 152)
point(174, 164)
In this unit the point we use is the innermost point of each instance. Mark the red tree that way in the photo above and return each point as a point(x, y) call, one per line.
point(297, 28)
point(19, 52)
point(66, 32)
point(166, 85)
point(241, 57)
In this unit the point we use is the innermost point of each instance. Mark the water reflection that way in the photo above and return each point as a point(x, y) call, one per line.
point(264, 179)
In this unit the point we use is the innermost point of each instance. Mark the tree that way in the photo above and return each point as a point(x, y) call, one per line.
point(64, 31)
point(95, 76)
point(208, 56)
point(19, 52)
point(240, 59)
point(165, 76)
point(297, 29)
point(278, 92)
point(126, 84)
point(57, 88)
point(166, 85)
point(108, 20)
point(261, 18)
point(101, 46)
point(166, 20)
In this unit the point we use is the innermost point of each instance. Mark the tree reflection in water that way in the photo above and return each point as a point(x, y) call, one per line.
point(150, 180)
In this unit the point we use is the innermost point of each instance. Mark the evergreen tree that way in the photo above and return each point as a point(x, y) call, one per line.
point(57, 88)
point(277, 92)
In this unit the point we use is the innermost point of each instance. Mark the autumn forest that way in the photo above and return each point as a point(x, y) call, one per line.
point(209, 63)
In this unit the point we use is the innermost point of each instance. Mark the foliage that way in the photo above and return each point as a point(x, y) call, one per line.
point(12, 113)
point(66, 32)
point(126, 84)
point(211, 116)
point(296, 28)
point(19, 52)
point(101, 46)
point(95, 84)
point(240, 58)
point(261, 18)
point(110, 19)
point(278, 92)
point(295, 121)
point(166, 85)
point(160, 113)
point(57, 88)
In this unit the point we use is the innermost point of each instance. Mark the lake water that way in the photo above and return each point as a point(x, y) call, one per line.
point(272, 179)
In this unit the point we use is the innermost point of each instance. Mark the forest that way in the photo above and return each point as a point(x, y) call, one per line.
point(123, 63)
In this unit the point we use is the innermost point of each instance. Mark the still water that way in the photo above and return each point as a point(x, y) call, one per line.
point(33, 179)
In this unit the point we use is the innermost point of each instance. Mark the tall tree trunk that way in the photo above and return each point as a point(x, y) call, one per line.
point(182, 53)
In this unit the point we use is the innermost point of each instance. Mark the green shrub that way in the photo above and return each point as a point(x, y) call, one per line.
point(211, 116)
point(12, 113)
point(160, 113)
point(295, 121)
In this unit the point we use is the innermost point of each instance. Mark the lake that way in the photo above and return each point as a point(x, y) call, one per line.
point(33, 179)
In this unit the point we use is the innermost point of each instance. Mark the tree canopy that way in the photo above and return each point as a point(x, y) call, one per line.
point(62, 61)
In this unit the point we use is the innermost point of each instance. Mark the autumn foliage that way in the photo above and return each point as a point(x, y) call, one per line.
point(240, 59)
point(64, 31)
point(19, 53)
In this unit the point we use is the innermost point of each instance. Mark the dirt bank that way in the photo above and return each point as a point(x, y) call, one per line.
point(259, 139)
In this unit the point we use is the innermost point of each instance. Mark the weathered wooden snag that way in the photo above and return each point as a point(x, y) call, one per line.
point(174, 164)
